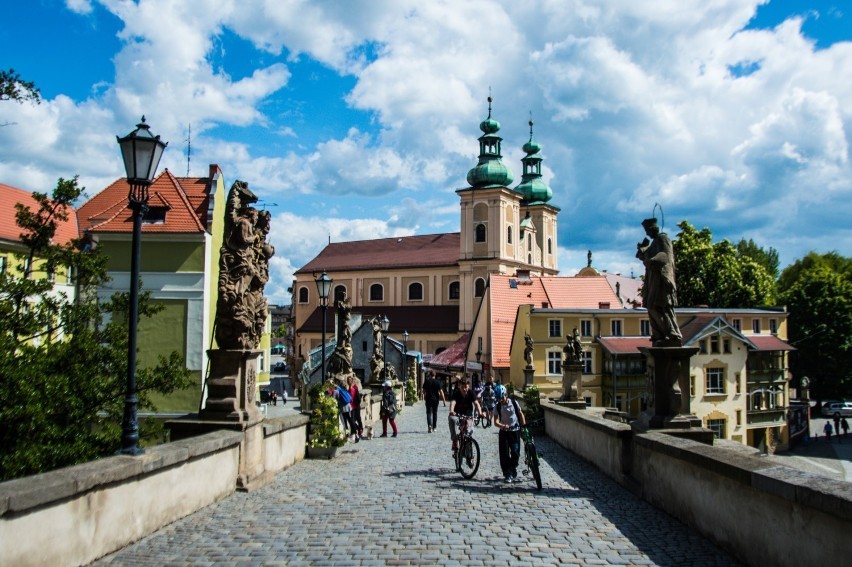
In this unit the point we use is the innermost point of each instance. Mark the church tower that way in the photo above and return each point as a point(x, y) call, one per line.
point(503, 230)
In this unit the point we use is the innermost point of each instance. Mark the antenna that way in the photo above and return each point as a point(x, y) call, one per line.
point(188, 148)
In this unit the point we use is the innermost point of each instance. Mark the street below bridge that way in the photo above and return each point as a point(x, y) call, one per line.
point(399, 501)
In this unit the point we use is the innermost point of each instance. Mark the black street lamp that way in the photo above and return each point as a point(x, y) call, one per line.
point(323, 289)
point(141, 152)
point(385, 326)
point(404, 354)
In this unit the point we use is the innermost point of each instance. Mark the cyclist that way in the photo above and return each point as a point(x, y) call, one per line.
point(463, 402)
point(488, 398)
point(510, 419)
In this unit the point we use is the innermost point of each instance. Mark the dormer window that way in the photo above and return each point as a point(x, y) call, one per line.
point(154, 215)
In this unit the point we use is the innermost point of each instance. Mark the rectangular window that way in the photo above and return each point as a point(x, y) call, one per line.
point(715, 381)
point(554, 362)
point(773, 326)
point(717, 426)
point(737, 387)
point(586, 359)
point(616, 327)
point(586, 328)
point(555, 327)
point(739, 417)
point(714, 344)
point(726, 346)
point(645, 327)
point(702, 346)
point(738, 324)
point(755, 326)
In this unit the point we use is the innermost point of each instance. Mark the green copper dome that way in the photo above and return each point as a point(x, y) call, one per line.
point(534, 190)
point(490, 171)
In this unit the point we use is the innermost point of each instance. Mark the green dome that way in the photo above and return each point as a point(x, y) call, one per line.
point(489, 126)
point(489, 173)
point(535, 191)
point(531, 147)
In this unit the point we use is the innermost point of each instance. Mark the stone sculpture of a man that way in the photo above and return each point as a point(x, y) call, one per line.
point(659, 290)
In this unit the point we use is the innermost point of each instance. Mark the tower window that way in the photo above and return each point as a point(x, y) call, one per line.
point(377, 292)
point(303, 295)
point(479, 233)
point(454, 291)
point(509, 234)
point(479, 287)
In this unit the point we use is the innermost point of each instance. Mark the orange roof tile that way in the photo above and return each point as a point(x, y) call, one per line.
point(183, 199)
point(509, 292)
point(9, 229)
point(769, 342)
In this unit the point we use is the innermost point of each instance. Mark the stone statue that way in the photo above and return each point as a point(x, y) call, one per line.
point(377, 361)
point(340, 361)
point(573, 349)
point(589, 259)
point(659, 291)
point(241, 308)
point(528, 350)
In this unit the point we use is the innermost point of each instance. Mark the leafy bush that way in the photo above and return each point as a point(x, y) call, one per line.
point(325, 423)
point(532, 403)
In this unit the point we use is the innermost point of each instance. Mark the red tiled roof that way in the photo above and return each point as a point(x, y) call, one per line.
point(9, 229)
point(629, 289)
point(400, 252)
point(769, 342)
point(108, 210)
point(624, 345)
point(548, 292)
point(454, 357)
point(694, 326)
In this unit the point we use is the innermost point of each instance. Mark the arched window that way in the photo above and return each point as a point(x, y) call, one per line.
point(415, 291)
point(303, 295)
point(479, 287)
point(479, 233)
point(339, 292)
point(377, 292)
point(454, 291)
point(509, 234)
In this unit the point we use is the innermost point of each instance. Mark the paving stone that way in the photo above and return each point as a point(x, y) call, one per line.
point(401, 502)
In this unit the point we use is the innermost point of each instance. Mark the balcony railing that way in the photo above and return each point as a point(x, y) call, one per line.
point(774, 416)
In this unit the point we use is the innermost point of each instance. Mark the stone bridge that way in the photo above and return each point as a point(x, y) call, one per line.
point(399, 501)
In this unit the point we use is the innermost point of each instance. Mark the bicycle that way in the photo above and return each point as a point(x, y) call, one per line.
point(530, 457)
point(466, 457)
point(483, 421)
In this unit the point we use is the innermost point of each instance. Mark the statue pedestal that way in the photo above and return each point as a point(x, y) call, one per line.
point(529, 373)
point(668, 377)
point(572, 376)
point(231, 405)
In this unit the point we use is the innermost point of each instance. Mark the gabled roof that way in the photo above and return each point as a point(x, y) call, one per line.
point(185, 201)
point(454, 357)
point(507, 293)
point(769, 342)
point(700, 326)
point(400, 252)
point(9, 229)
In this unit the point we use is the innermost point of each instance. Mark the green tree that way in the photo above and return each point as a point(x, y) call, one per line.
point(12, 87)
point(817, 291)
point(63, 360)
point(720, 274)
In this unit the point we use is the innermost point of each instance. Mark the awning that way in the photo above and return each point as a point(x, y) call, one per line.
point(453, 358)
point(769, 342)
point(624, 345)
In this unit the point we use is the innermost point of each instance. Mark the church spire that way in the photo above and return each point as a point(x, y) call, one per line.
point(534, 190)
point(490, 171)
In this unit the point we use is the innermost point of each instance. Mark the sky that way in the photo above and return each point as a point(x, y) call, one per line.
point(358, 119)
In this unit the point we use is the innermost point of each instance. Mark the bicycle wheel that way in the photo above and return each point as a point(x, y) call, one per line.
point(532, 462)
point(485, 422)
point(469, 458)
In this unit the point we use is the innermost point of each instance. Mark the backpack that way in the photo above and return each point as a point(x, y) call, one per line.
point(345, 397)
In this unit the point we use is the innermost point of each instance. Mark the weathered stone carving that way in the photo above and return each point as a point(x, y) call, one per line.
point(528, 350)
point(340, 361)
point(573, 348)
point(659, 291)
point(243, 271)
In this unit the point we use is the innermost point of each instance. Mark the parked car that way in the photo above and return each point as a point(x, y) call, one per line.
point(830, 409)
point(279, 367)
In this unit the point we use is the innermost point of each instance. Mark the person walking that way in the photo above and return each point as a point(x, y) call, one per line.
point(510, 419)
point(827, 429)
point(844, 425)
point(355, 393)
point(344, 405)
point(387, 410)
point(432, 392)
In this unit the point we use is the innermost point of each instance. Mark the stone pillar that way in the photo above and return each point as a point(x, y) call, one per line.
point(529, 373)
point(668, 390)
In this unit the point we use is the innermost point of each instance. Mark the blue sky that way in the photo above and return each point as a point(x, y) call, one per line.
point(359, 119)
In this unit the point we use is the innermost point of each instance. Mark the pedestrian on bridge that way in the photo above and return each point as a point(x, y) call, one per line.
point(432, 392)
point(387, 410)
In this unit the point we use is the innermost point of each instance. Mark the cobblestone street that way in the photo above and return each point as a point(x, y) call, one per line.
point(399, 501)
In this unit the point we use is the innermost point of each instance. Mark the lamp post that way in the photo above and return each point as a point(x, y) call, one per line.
point(385, 327)
point(141, 152)
point(404, 354)
point(323, 289)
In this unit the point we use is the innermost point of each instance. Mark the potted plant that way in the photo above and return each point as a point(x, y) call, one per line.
point(325, 436)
